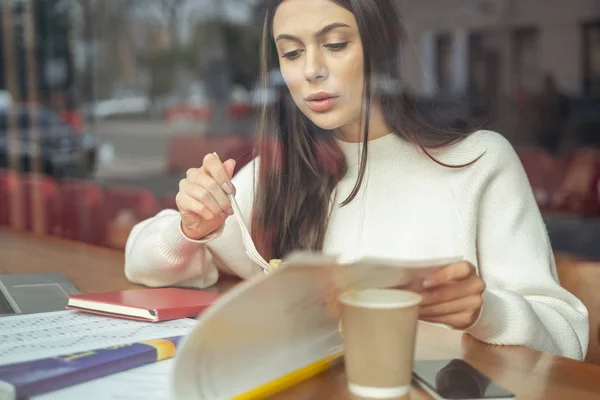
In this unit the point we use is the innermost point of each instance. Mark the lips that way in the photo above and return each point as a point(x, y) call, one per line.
point(321, 101)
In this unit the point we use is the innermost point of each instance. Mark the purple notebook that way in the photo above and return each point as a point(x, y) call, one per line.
point(30, 378)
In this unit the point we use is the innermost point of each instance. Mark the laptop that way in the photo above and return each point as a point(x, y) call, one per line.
point(34, 293)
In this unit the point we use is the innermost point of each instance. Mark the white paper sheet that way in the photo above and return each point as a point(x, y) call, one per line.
point(276, 324)
point(35, 336)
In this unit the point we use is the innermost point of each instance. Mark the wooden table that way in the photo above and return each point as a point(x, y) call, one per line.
point(528, 373)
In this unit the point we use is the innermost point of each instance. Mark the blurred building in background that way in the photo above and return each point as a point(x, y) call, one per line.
point(37, 51)
point(126, 95)
point(496, 55)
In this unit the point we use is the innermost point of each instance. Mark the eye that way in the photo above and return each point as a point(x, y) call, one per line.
point(292, 55)
point(337, 46)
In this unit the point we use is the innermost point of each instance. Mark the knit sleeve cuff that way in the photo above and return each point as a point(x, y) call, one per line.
point(491, 318)
point(173, 241)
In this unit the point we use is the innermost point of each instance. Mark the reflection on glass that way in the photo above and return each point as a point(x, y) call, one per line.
point(132, 93)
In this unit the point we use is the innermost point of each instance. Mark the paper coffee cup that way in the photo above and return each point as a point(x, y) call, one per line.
point(379, 328)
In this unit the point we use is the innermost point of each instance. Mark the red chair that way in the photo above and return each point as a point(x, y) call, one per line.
point(239, 110)
point(187, 113)
point(8, 182)
point(578, 178)
point(125, 207)
point(33, 186)
point(189, 151)
point(186, 152)
point(140, 201)
point(242, 151)
point(167, 201)
point(541, 169)
point(81, 212)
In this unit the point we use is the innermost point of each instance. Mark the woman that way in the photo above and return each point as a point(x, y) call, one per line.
point(345, 166)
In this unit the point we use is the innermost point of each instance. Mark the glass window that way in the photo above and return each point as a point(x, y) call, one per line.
point(445, 68)
point(591, 45)
point(526, 62)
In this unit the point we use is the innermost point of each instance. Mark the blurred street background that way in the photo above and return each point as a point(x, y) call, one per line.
point(121, 97)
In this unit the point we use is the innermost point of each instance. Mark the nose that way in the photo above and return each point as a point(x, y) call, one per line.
point(315, 68)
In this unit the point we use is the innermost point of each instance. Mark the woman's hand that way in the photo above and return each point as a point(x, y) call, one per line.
point(453, 296)
point(202, 199)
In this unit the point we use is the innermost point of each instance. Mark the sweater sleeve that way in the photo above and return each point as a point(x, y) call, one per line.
point(158, 254)
point(524, 303)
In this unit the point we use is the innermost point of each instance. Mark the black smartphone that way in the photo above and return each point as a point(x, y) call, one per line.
point(456, 379)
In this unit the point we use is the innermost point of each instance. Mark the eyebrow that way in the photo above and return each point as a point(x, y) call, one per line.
point(321, 32)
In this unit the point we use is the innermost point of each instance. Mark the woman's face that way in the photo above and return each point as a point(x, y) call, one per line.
point(321, 60)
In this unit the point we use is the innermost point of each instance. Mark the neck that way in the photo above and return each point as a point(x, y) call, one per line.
point(354, 132)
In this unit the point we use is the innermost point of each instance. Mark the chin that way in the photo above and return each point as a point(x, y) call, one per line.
point(327, 121)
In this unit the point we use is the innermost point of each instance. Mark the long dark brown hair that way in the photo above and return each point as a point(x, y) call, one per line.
point(300, 164)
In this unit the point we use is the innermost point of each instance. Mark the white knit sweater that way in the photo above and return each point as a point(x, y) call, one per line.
point(410, 207)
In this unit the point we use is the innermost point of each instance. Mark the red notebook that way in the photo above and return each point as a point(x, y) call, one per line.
point(152, 305)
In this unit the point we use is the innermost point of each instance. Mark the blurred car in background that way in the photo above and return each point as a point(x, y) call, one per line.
point(196, 105)
point(5, 99)
point(125, 103)
point(240, 103)
point(65, 149)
